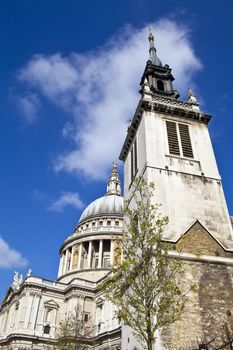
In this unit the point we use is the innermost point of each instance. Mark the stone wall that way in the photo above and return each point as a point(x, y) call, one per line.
point(210, 307)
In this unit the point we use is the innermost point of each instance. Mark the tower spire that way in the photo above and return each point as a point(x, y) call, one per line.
point(157, 79)
point(152, 50)
point(114, 183)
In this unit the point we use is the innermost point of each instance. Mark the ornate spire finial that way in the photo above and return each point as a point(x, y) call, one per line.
point(114, 183)
point(114, 169)
point(152, 50)
point(151, 36)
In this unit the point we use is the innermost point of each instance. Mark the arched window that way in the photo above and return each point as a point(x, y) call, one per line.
point(160, 85)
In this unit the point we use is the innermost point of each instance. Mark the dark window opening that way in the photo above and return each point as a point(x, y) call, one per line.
point(86, 317)
point(160, 85)
point(47, 329)
point(106, 245)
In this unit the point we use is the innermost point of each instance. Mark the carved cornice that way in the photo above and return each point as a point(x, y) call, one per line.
point(39, 289)
point(114, 335)
point(167, 106)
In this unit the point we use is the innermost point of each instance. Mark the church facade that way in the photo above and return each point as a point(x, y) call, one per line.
point(167, 143)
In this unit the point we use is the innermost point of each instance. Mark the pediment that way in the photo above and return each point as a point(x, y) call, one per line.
point(51, 304)
point(100, 301)
point(198, 240)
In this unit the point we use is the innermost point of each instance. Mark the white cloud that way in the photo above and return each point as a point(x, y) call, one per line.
point(29, 105)
point(9, 257)
point(66, 199)
point(53, 75)
point(100, 88)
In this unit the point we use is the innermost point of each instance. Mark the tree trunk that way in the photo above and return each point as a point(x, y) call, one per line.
point(150, 345)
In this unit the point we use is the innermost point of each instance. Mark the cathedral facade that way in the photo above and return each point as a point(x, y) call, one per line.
point(167, 143)
point(33, 308)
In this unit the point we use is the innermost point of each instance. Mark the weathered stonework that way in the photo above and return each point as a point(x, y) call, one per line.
point(197, 240)
point(210, 307)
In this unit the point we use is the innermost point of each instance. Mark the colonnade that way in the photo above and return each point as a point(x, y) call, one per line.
point(92, 254)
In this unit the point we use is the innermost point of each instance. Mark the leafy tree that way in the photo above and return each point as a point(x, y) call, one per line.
point(74, 332)
point(65, 337)
point(145, 287)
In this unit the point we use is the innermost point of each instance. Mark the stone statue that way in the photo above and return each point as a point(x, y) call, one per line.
point(17, 281)
point(192, 97)
point(29, 273)
point(20, 279)
point(146, 87)
point(15, 284)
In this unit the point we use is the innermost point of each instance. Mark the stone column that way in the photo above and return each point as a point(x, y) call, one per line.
point(12, 311)
point(36, 310)
point(71, 258)
point(8, 318)
point(31, 309)
point(60, 266)
point(66, 260)
point(80, 255)
point(23, 311)
point(111, 252)
point(89, 255)
point(100, 253)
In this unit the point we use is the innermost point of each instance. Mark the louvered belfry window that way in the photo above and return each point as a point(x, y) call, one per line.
point(179, 141)
point(185, 140)
point(173, 142)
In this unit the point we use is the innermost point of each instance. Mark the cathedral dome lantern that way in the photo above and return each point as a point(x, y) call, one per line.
point(114, 184)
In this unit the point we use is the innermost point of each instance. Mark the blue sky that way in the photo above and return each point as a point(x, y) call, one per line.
point(70, 73)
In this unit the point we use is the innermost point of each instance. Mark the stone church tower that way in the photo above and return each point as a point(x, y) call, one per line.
point(168, 143)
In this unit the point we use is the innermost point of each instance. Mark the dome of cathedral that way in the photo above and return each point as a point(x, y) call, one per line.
point(106, 205)
point(110, 204)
